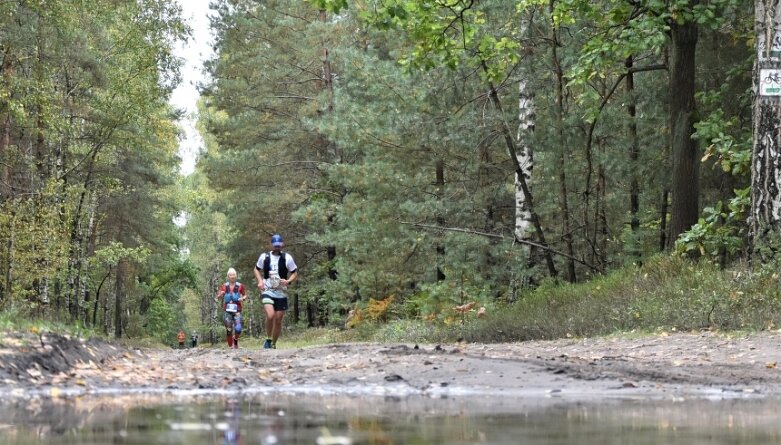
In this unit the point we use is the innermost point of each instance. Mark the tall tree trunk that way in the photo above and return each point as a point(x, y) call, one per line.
point(77, 236)
point(634, 152)
point(765, 219)
point(523, 152)
point(120, 292)
point(84, 252)
point(604, 230)
point(600, 235)
point(563, 195)
point(9, 255)
point(97, 297)
point(328, 85)
point(5, 130)
point(663, 220)
point(440, 246)
point(212, 310)
point(40, 152)
point(685, 181)
point(521, 176)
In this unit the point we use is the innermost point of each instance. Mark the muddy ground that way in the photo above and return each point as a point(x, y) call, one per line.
point(662, 365)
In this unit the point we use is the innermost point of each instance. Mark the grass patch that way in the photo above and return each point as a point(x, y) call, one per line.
point(667, 293)
point(396, 331)
point(17, 319)
point(298, 336)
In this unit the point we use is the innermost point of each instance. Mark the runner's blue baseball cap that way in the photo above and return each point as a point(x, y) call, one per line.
point(276, 240)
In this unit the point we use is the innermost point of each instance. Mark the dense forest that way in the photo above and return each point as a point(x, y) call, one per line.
point(415, 155)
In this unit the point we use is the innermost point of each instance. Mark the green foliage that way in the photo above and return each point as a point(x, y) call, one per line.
point(160, 321)
point(448, 35)
point(721, 231)
point(88, 153)
point(334, 6)
point(724, 137)
point(112, 253)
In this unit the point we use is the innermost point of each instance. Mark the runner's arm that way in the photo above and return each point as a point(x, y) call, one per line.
point(261, 284)
point(292, 277)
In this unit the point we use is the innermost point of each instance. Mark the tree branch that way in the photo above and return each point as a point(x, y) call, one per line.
point(500, 237)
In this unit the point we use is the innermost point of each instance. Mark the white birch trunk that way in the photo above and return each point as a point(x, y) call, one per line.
point(91, 212)
point(766, 162)
point(524, 152)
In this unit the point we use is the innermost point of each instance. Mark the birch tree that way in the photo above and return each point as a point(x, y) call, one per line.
point(766, 161)
point(524, 150)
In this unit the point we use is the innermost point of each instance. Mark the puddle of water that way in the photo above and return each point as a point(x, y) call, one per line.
point(279, 419)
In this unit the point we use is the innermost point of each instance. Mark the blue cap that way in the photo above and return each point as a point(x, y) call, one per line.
point(276, 240)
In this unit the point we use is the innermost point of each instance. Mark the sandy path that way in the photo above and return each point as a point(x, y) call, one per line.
point(662, 365)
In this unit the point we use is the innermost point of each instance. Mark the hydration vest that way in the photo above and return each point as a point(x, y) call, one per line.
point(281, 266)
point(232, 297)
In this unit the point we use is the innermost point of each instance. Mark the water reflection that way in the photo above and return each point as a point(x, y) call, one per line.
point(277, 419)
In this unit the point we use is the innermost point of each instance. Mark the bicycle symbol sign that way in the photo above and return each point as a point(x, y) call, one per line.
point(770, 82)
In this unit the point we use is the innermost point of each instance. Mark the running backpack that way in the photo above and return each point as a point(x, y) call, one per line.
point(281, 267)
point(235, 295)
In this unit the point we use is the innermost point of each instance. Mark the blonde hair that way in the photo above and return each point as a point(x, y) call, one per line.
point(231, 270)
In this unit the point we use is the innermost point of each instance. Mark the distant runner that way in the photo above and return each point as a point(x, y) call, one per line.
point(232, 294)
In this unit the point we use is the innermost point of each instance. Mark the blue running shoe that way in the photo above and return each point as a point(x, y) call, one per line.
point(267, 344)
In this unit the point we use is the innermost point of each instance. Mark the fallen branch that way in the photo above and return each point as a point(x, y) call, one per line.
point(503, 238)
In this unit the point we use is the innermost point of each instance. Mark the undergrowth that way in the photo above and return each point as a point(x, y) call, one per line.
point(666, 293)
point(14, 318)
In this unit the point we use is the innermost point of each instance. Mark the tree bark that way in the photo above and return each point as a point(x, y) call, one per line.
point(685, 182)
point(9, 267)
point(5, 132)
point(523, 152)
point(120, 292)
point(634, 150)
point(765, 219)
point(600, 215)
point(76, 247)
point(440, 246)
point(328, 85)
point(563, 196)
point(663, 220)
point(521, 176)
point(97, 297)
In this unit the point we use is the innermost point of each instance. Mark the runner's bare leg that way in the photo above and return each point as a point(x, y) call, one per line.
point(278, 315)
point(269, 309)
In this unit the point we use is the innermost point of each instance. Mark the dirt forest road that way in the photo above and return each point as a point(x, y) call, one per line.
point(704, 364)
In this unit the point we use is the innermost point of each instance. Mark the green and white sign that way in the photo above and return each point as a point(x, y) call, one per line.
point(774, 52)
point(770, 82)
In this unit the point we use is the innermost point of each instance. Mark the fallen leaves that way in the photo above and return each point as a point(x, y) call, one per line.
point(470, 307)
point(464, 308)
